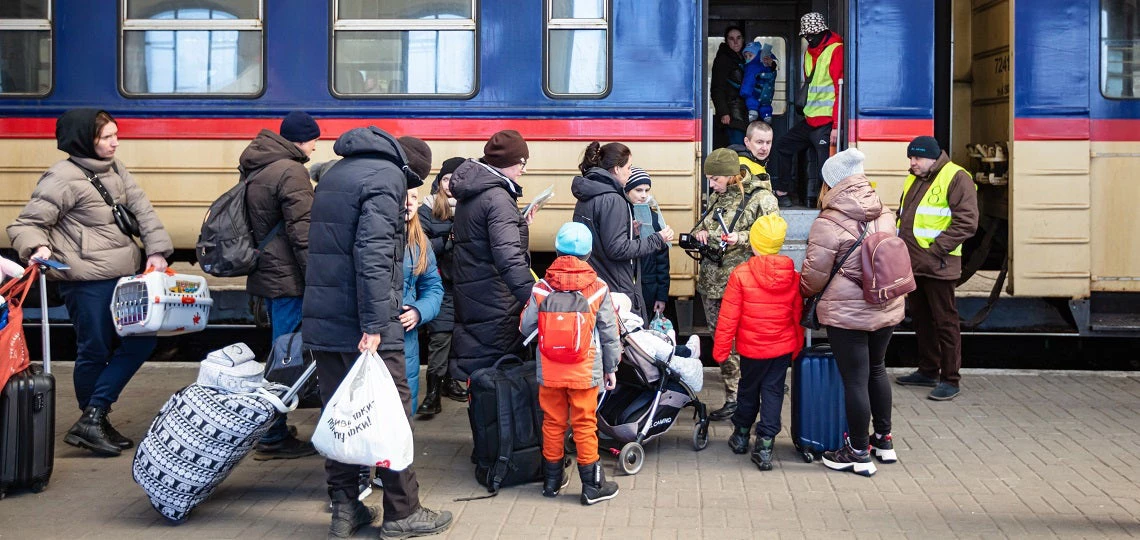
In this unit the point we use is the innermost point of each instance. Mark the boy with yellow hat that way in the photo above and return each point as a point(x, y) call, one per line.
point(760, 312)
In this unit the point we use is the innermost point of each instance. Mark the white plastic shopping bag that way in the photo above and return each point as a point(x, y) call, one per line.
point(364, 422)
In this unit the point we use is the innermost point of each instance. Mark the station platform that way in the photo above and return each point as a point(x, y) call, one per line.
point(1019, 454)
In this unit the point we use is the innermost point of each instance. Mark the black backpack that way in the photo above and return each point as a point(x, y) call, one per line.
point(225, 245)
point(506, 424)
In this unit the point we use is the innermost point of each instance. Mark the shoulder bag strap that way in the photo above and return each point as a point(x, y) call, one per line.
point(94, 179)
point(839, 263)
point(740, 209)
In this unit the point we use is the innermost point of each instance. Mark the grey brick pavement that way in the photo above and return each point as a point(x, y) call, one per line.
point(1016, 455)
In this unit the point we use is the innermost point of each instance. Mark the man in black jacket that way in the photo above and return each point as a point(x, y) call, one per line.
point(355, 287)
point(278, 199)
point(490, 263)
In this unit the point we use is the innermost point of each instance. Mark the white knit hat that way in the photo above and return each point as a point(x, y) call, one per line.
point(846, 163)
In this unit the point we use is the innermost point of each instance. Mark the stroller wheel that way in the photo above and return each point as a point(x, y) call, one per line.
point(700, 435)
point(631, 458)
point(569, 446)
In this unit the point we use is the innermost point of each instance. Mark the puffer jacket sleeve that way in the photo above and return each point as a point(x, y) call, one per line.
point(731, 307)
point(507, 248)
point(154, 236)
point(296, 204)
point(614, 233)
point(820, 256)
point(48, 202)
point(528, 321)
point(608, 335)
point(429, 291)
point(374, 255)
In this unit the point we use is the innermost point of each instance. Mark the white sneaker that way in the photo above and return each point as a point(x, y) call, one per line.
point(694, 345)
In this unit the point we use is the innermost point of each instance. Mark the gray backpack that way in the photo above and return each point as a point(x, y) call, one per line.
point(226, 247)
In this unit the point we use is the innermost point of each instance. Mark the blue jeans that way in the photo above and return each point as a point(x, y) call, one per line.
point(761, 391)
point(102, 370)
point(284, 318)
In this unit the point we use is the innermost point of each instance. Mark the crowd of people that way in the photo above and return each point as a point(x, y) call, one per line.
point(362, 263)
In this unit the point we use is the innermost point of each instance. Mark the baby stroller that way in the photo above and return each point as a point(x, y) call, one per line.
point(647, 400)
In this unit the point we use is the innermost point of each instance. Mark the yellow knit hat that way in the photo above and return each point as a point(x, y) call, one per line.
point(767, 234)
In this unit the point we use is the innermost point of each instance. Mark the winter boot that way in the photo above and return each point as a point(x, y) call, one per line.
point(556, 478)
point(454, 390)
point(595, 487)
point(113, 434)
point(738, 442)
point(422, 522)
point(349, 515)
point(725, 412)
point(762, 453)
point(88, 433)
point(431, 406)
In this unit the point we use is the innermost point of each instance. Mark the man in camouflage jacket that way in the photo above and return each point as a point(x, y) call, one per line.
point(754, 200)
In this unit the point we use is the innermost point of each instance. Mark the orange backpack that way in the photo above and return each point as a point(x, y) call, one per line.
point(566, 321)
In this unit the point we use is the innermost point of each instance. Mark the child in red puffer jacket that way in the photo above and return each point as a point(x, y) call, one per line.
point(760, 313)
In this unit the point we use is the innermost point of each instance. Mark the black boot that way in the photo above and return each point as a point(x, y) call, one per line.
point(556, 478)
point(738, 442)
point(88, 433)
point(349, 515)
point(454, 390)
point(595, 487)
point(113, 434)
point(431, 406)
point(725, 412)
point(762, 453)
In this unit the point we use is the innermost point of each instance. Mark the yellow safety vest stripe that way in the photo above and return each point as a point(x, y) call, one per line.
point(933, 215)
point(821, 87)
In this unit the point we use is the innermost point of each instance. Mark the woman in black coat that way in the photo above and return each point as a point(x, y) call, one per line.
point(602, 207)
point(490, 266)
point(437, 217)
point(727, 75)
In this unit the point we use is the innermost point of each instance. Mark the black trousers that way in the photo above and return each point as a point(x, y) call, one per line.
point(860, 356)
point(761, 391)
point(798, 138)
point(401, 489)
point(937, 329)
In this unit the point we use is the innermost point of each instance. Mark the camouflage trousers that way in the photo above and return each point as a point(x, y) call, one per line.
point(730, 369)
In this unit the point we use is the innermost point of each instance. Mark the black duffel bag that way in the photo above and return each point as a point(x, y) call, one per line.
point(506, 424)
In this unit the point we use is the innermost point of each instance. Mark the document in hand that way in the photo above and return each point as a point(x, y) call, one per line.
point(540, 200)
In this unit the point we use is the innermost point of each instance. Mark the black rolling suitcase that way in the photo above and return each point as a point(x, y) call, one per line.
point(27, 402)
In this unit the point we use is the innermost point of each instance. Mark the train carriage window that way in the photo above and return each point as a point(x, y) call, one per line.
point(192, 47)
point(577, 48)
point(25, 48)
point(1120, 48)
point(385, 48)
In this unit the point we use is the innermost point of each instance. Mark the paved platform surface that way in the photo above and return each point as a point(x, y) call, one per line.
point(1016, 455)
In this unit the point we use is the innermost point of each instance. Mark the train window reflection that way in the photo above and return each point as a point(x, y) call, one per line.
point(1120, 49)
point(25, 48)
point(577, 48)
point(400, 48)
point(192, 50)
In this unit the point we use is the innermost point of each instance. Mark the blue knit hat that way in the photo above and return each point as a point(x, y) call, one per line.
point(299, 127)
point(754, 47)
point(574, 239)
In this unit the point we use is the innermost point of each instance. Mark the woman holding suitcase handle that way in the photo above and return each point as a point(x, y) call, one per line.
point(859, 331)
point(85, 212)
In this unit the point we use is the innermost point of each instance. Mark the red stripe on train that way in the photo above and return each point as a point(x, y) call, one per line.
point(437, 129)
point(1076, 129)
point(871, 129)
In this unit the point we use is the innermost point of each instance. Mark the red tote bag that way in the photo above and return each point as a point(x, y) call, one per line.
point(14, 355)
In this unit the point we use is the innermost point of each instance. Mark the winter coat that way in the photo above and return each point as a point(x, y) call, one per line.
point(424, 294)
point(727, 74)
point(760, 310)
point(711, 278)
point(759, 85)
point(69, 216)
point(749, 161)
point(936, 261)
point(618, 248)
point(852, 202)
point(356, 247)
point(490, 267)
point(438, 232)
point(278, 190)
point(655, 271)
point(569, 273)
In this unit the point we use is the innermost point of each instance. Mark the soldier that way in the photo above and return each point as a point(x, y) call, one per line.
point(738, 198)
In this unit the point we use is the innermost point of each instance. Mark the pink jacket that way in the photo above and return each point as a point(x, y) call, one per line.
point(851, 203)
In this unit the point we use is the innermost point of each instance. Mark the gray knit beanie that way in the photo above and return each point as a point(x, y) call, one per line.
point(846, 163)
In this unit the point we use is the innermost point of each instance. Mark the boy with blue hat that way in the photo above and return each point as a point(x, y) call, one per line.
point(579, 347)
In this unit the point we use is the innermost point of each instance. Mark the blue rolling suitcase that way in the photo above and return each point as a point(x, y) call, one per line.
point(819, 415)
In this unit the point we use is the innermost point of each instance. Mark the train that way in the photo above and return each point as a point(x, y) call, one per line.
point(1041, 100)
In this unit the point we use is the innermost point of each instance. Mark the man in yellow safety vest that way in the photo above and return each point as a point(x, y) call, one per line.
point(938, 212)
point(822, 70)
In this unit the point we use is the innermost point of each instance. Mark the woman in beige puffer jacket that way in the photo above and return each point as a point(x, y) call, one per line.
point(858, 331)
point(69, 221)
